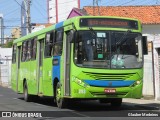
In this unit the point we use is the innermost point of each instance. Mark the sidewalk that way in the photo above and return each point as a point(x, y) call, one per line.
point(143, 103)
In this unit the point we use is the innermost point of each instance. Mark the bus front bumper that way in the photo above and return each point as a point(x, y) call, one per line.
point(82, 90)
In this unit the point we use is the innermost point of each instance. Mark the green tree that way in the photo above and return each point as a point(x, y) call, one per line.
point(8, 44)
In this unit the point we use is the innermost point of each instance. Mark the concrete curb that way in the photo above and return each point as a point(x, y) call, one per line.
point(147, 107)
point(143, 103)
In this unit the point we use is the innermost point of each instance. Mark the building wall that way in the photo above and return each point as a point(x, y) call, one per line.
point(151, 62)
point(16, 33)
point(59, 10)
point(37, 27)
point(5, 66)
point(52, 11)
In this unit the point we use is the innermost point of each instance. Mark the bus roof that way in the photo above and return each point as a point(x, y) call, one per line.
point(64, 23)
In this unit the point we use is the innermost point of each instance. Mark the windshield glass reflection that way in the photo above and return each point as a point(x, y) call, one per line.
point(101, 49)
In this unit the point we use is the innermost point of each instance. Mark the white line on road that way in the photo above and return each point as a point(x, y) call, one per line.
point(80, 114)
point(16, 98)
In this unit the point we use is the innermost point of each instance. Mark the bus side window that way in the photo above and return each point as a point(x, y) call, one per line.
point(14, 54)
point(49, 44)
point(29, 50)
point(58, 46)
point(24, 51)
point(33, 48)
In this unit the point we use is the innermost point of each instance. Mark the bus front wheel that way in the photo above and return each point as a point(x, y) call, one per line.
point(59, 100)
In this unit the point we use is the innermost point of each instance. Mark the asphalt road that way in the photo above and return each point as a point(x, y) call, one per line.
point(10, 101)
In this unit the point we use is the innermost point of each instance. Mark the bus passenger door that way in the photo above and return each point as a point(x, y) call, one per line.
point(17, 67)
point(40, 67)
point(67, 61)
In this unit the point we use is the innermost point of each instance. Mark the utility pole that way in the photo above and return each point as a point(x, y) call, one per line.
point(98, 6)
point(95, 1)
point(29, 16)
point(93, 7)
point(0, 71)
point(156, 2)
point(1, 30)
point(28, 21)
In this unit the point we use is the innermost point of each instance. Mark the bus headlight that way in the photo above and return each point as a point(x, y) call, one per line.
point(136, 83)
point(79, 81)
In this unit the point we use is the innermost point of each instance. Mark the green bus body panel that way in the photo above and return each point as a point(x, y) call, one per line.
point(42, 36)
point(47, 77)
point(29, 71)
point(19, 44)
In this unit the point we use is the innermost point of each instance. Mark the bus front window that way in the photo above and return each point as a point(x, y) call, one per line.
point(126, 50)
point(91, 49)
point(96, 50)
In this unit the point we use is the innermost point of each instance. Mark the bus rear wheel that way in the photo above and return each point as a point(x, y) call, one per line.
point(27, 97)
point(59, 100)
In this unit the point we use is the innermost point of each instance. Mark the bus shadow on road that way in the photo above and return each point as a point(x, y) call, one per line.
point(48, 101)
point(94, 105)
point(90, 105)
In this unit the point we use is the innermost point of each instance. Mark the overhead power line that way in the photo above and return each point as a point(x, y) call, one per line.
point(39, 11)
point(15, 10)
point(127, 2)
point(20, 5)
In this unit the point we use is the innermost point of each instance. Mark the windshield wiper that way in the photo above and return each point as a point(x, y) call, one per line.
point(93, 32)
point(120, 42)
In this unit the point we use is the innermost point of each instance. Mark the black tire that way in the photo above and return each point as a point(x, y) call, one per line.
point(27, 97)
point(116, 102)
point(104, 100)
point(59, 100)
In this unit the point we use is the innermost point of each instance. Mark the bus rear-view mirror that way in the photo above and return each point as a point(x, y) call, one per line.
point(145, 45)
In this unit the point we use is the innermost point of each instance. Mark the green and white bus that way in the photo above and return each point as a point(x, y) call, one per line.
point(82, 58)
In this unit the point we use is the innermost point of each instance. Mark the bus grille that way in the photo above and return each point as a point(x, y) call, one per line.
point(109, 76)
point(97, 93)
point(122, 94)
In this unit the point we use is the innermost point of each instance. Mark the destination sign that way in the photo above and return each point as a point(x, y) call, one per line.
point(108, 22)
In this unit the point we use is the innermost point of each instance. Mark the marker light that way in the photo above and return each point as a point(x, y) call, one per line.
point(138, 82)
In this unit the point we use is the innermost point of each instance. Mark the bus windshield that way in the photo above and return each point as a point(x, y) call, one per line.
point(108, 49)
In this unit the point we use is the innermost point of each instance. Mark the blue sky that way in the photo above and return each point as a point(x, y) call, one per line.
point(120, 2)
point(11, 9)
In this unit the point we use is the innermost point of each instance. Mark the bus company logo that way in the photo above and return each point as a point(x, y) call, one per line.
point(110, 84)
point(6, 114)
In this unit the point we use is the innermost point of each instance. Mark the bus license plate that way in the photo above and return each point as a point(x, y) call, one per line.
point(109, 90)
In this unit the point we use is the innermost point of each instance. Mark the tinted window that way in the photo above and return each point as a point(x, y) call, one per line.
point(14, 54)
point(33, 48)
point(24, 50)
point(49, 44)
point(58, 46)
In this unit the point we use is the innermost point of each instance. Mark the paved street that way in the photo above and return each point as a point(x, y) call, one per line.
point(10, 101)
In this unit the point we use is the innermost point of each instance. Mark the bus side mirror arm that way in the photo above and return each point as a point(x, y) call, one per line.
point(72, 36)
point(144, 45)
